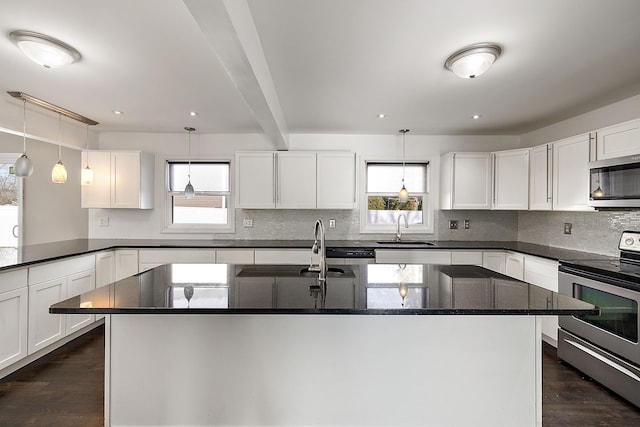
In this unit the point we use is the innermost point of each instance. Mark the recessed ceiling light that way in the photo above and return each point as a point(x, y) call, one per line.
point(44, 50)
point(118, 112)
point(193, 113)
point(476, 116)
point(381, 116)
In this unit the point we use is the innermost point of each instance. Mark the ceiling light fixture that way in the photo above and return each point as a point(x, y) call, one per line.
point(472, 61)
point(476, 116)
point(24, 166)
point(59, 171)
point(118, 112)
point(381, 116)
point(86, 177)
point(404, 193)
point(44, 50)
point(189, 191)
point(193, 113)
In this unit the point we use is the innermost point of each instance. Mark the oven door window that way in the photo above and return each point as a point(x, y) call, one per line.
point(618, 315)
point(615, 182)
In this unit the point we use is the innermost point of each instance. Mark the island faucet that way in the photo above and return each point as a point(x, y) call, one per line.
point(318, 231)
point(406, 225)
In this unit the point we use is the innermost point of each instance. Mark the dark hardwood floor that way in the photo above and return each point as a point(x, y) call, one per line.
point(66, 388)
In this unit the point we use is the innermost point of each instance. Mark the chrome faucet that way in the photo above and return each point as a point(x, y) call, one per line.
point(406, 225)
point(318, 231)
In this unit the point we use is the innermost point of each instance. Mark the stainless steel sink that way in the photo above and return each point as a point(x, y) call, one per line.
point(406, 242)
point(331, 272)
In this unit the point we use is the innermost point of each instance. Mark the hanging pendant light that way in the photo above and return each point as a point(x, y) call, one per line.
point(87, 172)
point(189, 191)
point(404, 193)
point(59, 171)
point(24, 166)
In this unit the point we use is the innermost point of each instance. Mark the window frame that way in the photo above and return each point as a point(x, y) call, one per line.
point(427, 227)
point(170, 227)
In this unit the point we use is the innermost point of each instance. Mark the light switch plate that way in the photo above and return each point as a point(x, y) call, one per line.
point(453, 224)
point(247, 222)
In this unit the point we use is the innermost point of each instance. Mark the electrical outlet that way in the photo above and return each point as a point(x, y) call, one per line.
point(467, 224)
point(332, 223)
point(247, 222)
point(567, 227)
point(453, 224)
point(103, 221)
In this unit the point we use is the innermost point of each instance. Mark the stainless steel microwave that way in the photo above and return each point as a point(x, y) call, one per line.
point(615, 183)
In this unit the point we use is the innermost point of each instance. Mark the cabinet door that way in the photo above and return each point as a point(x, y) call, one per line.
point(77, 284)
point(126, 263)
point(494, 261)
point(105, 268)
point(125, 179)
point(514, 265)
point(571, 174)
point(618, 141)
point(511, 180)
point(510, 294)
point(296, 174)
point(250, 292)
point(255, 180)
point(13, 326)
point(98, 194)
point(45, 328)
point(336, 181)
point(540, 177)
point(472, 181)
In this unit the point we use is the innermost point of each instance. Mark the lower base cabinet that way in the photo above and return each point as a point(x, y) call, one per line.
point(13, 317)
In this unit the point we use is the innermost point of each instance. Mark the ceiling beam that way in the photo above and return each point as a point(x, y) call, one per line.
point(229, 28)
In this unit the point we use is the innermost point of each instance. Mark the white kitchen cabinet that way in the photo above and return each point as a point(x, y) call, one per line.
point(466, 258)
point(336, 180)
point(619, 140)
point(77, 284)
point(283, 256)
point(121, 179)
point(150, 258)
point(514, 265)
point(126, 263)
point(105, 268)
point(464, 292)
point(253, 292)
point(494, 261)
point(413, 256)
point(295, 180)
point(465, 181)
point(544, 273)
point(13, 316)
point(571, 174)
point(48, 284)
point(507, 294)
point(541, 177)
point(511, 180)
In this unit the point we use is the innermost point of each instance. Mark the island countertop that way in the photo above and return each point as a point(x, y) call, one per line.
point(372, 289)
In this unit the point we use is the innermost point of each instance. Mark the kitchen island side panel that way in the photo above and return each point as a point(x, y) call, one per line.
point(290, 370)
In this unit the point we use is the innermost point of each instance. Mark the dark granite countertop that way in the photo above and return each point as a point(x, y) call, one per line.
point(33, 254)
point(372, 289)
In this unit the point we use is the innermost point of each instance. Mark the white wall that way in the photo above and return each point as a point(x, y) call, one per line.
point(149, 224)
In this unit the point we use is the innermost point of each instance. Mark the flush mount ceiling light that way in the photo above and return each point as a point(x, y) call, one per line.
point(44, 50)
point(471, 61)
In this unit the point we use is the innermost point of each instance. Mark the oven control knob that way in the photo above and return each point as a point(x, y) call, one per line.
point(628, 241)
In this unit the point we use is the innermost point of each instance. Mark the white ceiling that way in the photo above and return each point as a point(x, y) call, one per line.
point(326, 66)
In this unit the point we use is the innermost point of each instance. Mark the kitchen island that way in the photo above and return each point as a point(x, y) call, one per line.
point(220, 344)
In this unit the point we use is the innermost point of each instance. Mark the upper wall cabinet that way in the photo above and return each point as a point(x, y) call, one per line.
point(465, 181)
point(121, 179)
point(571, 174)
point(511, 180)
point(618, 141)
point(541, 177)
point(295, 180)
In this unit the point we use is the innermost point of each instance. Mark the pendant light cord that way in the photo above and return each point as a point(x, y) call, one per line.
point(87, 147)
point(24, 126)
point(404, 133)
point(59, 137)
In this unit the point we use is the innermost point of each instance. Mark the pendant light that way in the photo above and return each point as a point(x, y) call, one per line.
point(189, 191)
point(24, 166)
point(404, 193)
point(87, 172)
point(59, 171)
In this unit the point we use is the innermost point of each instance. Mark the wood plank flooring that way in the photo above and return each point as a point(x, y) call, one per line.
point(66, 388)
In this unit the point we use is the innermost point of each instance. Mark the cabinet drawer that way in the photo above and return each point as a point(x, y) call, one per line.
point(283, 256)
point(42, 273)
point(12, 280)
point(234, 256)
point(391, 256)
point(168, 256)
point(466, 257)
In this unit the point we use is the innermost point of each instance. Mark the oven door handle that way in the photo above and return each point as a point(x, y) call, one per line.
point(603, 359)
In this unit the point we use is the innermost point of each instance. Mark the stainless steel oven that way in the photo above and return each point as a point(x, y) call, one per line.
point(605, 346)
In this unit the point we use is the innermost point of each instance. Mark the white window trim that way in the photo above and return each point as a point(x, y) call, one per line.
point(426, 228)
point(228, 228)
